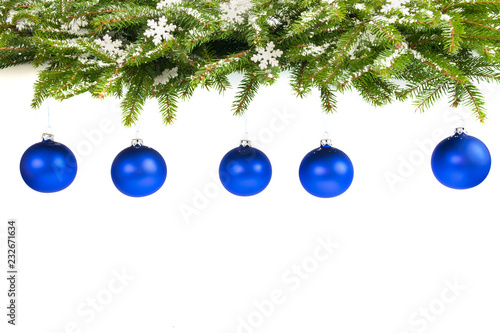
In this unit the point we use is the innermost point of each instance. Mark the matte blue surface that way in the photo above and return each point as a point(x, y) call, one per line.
point(461, 161)
point(48, 166)
point(138, 171)
point(245, 171)
point(326, 172)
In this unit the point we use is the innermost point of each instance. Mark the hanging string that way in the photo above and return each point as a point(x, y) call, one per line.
point(137, 127)
point(245, 123)
point(137, 130)
point(462, 121)
point(326, 135)
point(49, 128)
point(461, 126)
point(48, 115)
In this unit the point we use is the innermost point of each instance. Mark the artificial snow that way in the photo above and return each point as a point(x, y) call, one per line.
point(234, 10)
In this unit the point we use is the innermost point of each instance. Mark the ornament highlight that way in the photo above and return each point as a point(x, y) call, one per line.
point(244, 170)
point(461, 161)
point(48, 166)
point(326, 172)
point(138, 171)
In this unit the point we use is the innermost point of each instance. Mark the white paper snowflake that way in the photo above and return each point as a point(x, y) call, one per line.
point(166, 76)
point(159, 30)
point(267, 56)
point(75, 26)
point(396, 4)
point(164, 3)
point(387, 62)
point(234, 10)
point(111, 46)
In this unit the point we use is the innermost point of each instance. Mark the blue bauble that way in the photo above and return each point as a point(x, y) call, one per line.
point(138, 171)
point(245, 171)
point(48, 166)
point(326, 172)
point(461, 161)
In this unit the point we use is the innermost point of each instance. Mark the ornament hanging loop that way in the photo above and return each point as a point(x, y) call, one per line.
point(326, 141)
point(245, 141)
point(460, 129)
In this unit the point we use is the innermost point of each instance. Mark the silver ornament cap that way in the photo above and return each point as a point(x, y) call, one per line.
point(48, 137)
point(245, 142)
point(326, 142)
point(136, 142)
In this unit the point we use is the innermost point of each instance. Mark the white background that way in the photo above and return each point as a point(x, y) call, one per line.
point(204, 271)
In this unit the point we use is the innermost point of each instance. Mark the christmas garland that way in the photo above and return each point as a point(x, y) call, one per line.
point(142, 49)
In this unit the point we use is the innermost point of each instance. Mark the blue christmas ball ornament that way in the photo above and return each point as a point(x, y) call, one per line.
point(48, 166)
point(326, 172)
point(138, 171)
point(461, 161)
point(245, 170)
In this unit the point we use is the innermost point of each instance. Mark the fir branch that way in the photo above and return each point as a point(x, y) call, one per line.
point(95, 50)
point(438, 67)
point(109, 83)
point(15, 49)
point(475, 101)
point(481, 25)
point(429, 96)
point(168, 106)
point(187, 91)
point(328, 100)
point(454, 29)
point(342, 86)
point(344, 45)
point(221, 83)
point(247, 90)
point(387, 31)
point(473, 37)
point(418, 87)
point(436, 48)
point(145, 54)
point(299, 83)
point(138, 89)
point(132, 105)
point(495, 4)
point(183, 55)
